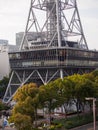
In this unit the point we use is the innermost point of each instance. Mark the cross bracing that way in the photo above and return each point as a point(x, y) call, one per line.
point(58, 49)
point(44, 76)
point(58, 20)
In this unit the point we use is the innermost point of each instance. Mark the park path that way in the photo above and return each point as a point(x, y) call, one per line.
point(8, 128)
point(86, 127)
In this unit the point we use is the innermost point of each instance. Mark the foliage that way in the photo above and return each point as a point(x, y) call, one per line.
point(4, 81)
point(22, 108)
point(26, 104)
point(3, 106)
point(65, 92)
point(55, 94)
point(49, 97)
point(75, 121)
point(21, 121)
point(95, 73)
point(53, 126)
point(3, 85)
point(83, 87)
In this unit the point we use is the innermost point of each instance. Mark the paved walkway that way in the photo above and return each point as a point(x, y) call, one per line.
point(86, 127)
point(8, 128)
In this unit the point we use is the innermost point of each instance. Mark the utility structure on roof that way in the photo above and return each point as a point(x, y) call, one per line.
point(58, 49)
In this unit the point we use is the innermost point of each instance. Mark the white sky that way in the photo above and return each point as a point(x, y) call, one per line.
point(14, 13)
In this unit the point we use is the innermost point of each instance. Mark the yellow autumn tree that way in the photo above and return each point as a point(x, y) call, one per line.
point(21, 121)
point(25, 110)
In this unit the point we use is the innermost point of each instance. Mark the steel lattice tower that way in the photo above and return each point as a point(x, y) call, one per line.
point(59, 19)
point(59, 33)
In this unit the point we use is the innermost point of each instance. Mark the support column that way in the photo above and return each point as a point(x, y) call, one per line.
point(58, 23)
point(61, 74)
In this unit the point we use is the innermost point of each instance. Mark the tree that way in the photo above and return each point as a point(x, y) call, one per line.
point(95, 73)
point(49, 97)
point(3, 86)
point(22, 121)
point(26, 103)
point(3, 106)
point(65, 92)
point(84, 87)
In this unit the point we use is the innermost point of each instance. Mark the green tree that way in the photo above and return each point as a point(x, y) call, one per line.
point(84, 87)
point(3, 86)
point(65, 92)
point(49, 97)
point(3, 106)
point(95, 73)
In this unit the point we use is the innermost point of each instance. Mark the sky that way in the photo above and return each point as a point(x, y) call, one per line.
point(14, 13)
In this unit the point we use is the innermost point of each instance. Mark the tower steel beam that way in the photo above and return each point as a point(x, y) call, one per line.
point(58, 49)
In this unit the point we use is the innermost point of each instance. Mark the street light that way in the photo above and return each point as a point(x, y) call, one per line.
point(94, 118)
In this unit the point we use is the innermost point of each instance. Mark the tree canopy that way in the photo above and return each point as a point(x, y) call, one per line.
point(55, 94)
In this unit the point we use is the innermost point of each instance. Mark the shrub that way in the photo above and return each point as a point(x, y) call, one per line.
point(59, 125)
point(52, 127)
point(68, 124)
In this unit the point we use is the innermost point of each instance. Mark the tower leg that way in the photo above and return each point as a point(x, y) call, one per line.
point(61, 74)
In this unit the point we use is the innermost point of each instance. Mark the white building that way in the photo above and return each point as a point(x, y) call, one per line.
point(4, 60)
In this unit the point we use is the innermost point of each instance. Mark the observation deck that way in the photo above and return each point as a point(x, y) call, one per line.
point(54, 57)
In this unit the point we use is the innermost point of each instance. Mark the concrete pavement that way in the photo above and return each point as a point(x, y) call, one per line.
point(8, 128)
point(86, 127)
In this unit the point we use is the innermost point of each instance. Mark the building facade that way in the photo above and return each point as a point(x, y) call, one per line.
point(4, 60)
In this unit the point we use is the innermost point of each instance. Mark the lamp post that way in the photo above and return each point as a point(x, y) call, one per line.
point(94, 117)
